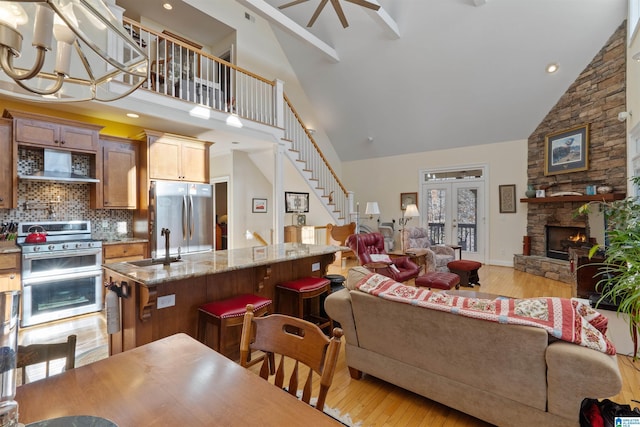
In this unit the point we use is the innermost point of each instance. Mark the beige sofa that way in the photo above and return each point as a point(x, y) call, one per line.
point(508, 375)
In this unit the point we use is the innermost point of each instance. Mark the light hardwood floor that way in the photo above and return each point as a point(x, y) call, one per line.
point(371, 401)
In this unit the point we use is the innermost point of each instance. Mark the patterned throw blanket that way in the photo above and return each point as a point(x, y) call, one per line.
point(565, 319)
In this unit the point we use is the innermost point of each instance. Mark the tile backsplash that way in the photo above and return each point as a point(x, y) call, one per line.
point(51, 201)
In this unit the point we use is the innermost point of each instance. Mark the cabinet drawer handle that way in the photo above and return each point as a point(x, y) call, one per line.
point(13, 276)
point(1, 199)
point(56, 142)
point(61, 142)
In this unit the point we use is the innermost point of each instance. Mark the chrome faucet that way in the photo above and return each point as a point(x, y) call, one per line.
point(167, 259)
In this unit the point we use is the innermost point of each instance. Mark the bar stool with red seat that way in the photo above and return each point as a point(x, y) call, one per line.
point(227, 313)
point(301, 293)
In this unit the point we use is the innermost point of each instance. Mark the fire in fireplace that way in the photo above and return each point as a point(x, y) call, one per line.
point(561, 238)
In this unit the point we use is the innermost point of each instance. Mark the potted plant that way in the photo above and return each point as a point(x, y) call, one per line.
point(620, 270)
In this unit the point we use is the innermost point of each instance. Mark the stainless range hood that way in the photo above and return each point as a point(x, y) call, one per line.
point(57, 167)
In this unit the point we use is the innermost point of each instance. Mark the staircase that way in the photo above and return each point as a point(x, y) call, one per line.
point(179, 70)
point(313, 166)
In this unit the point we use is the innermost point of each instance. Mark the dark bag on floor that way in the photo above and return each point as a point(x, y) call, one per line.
point(594, 413)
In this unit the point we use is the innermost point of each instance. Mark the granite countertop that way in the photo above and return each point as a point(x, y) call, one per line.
point(204, 264)
point(123, 240)
point(9, 247)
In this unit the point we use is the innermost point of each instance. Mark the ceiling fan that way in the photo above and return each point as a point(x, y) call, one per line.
point(336, 5)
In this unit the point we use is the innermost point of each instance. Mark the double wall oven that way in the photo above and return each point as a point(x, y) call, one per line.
point(61, 277)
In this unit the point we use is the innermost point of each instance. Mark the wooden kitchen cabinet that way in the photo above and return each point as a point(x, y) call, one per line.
point(48, 132)
point(122, 252)
point(118, 187)
point(8, 185)
point(177, 158)
point(10, 272)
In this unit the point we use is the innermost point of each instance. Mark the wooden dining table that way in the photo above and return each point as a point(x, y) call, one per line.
point(175, 381)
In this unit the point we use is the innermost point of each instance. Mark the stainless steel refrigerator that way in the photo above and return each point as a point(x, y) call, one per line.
point(186, 209)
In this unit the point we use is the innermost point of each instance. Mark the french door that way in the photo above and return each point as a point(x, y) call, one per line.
point(452, 209)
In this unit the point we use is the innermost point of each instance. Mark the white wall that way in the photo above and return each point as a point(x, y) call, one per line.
point(247, 182)
point(383, 179)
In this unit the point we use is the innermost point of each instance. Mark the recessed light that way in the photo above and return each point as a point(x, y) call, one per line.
point(133, 115)
point(167, 6)
point(552, 68)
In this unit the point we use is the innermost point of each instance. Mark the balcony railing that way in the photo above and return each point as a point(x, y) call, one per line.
point(181, 69)
point(467, 235)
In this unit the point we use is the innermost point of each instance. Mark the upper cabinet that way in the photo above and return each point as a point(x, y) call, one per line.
point(7, 184)
point(48, 132)
point(118, 160)
point(177, 158)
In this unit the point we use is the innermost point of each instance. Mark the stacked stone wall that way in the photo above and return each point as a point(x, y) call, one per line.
point(595, 98)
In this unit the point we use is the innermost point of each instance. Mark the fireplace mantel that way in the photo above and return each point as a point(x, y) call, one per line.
point(609, 197)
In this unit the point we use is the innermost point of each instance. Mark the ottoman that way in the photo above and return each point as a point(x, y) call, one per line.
point(438, 280)
point(467, 270)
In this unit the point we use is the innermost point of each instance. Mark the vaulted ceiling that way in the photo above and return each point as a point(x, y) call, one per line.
point(454, 73)
point(436, 74)
point(458, 75)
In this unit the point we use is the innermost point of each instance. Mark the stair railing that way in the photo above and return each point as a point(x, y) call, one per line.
point(181, 69)
point(328, 185)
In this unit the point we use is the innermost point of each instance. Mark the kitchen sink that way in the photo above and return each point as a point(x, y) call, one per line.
point(153, 261)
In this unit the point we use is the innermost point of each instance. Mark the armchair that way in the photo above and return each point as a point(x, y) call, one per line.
point(364, 245)
point(416, 240)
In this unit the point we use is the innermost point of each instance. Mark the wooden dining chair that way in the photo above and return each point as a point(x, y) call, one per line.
point(46, 353)
point(298, 341)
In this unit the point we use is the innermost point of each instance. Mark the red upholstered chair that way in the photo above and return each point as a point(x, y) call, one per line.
point(366, 244)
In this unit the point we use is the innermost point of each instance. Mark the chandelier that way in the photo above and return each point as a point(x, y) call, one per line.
point(93, 56)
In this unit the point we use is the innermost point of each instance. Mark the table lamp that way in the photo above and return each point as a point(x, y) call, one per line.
point(372, 209)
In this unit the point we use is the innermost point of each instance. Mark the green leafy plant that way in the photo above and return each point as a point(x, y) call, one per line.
point(620, 271)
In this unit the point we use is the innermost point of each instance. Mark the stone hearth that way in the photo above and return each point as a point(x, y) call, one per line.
point(549, 268)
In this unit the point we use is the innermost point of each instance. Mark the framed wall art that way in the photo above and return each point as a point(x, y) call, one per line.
point(567, 151)
point(259, 206)
point(407, 199)
point(507, 194)
point(296, 202)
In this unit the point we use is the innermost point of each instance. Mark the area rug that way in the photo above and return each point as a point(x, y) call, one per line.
point(344, 419)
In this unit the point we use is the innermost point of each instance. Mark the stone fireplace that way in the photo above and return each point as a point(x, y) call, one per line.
point(560, 238)
point(595, 98)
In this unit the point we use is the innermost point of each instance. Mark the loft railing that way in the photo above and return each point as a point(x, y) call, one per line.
point(180, 68)
point(302, 142)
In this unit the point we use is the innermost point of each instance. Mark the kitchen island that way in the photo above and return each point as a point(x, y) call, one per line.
point(163, 299)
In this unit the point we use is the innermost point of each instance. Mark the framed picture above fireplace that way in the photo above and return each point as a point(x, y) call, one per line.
point(567, 151)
